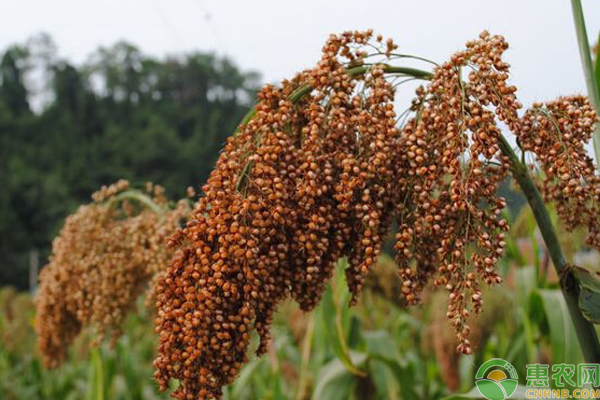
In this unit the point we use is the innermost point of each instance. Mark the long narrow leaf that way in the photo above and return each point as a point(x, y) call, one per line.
point(96, 377)
point(597, 66)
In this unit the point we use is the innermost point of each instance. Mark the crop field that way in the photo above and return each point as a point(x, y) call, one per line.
point(378, 225)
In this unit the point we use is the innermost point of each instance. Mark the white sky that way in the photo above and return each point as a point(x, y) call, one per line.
point(280, 37)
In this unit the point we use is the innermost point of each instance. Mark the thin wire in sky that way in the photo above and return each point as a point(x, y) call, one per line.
point(175, 36)
point(208, 17)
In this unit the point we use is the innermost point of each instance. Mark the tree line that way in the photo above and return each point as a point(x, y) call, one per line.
point(67, 129)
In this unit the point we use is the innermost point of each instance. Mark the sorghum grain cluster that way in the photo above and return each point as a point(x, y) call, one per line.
point(299, 186)
point(102, 260)
point(557, 133)
point(450, 227)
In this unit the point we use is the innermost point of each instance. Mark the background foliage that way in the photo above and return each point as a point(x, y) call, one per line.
point(67, 129)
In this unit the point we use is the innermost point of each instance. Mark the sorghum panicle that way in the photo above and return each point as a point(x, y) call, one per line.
point(556, 133)
point(298, 187)
point(102, 260)
point(450, 226)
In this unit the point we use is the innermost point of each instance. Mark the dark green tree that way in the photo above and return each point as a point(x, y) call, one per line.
point(123, 114)
point(13, 92)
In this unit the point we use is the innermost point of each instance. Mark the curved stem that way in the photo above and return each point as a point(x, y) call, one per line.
point(134, 194)
point(586, 332)
point(305, 89)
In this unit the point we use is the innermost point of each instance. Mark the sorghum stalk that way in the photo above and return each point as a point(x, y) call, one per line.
point(588, 69)
point(586, 332)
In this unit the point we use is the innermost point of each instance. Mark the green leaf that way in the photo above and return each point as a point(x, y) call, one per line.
point(126, 360)
point(587, 279)
point(563, 338)
point(335, 337)
point(385, 382)
point(384, 367)
point(96, 377)
point(332, 319)
point(526, 284)
point(597, 66)
point(335, 382)
point(277, 391)
point(109, 371)
point(382, 349)
point(589, 297)
point(242, 383)
point(589, 304)
point(380, 343)
point(520, 394)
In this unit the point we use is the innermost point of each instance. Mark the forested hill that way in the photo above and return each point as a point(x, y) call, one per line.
point(122, 114)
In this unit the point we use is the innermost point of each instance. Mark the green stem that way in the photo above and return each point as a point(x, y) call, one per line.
point(586, 332)
point(134, 194)
point(305, 89)
point(588, 69)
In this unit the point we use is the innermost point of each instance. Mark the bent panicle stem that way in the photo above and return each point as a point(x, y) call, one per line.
point(586, 332)
point(305, 89)
point(134, 194)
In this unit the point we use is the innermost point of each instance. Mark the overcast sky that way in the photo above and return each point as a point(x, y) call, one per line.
point(280, 37)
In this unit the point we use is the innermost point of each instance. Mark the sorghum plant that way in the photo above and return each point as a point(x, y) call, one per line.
point(556, 133)
point(324, 165)
point(103, 259)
